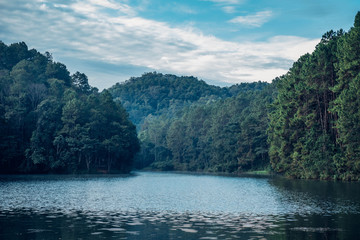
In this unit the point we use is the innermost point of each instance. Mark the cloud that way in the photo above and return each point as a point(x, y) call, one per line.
point(93, 6)
point(255, 20)
point(227, 6)
point(91, 34)
point(229, 9)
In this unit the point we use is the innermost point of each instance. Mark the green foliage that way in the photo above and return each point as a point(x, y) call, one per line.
point(212, 135)
point(155, 94)
point(314, 126)
point(187, 125)
point(53, 122)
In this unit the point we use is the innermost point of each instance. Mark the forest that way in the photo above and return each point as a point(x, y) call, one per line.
point(305, 124)
point(55, 122)
point(186, 125)
point(314, 129)
point(156, 94)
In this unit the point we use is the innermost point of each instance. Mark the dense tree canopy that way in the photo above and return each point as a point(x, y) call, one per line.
point(156, 94)
point(186, 124)
point(51, 121)
point(314, 130)
point(226, 136)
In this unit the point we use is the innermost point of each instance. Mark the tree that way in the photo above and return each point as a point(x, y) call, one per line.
point(42, 154)
point(80, 81)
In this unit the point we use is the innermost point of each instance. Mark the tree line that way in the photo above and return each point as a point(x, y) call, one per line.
point(51, 121)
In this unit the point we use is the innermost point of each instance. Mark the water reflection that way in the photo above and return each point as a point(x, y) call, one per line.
point(170, 225)
point(173, 206)
point(317, 197)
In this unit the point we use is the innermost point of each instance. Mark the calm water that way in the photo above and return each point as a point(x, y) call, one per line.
point(176, 206)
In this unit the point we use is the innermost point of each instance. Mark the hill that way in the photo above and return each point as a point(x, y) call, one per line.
point(306, 124)
point(156, 94)
point(185, 124)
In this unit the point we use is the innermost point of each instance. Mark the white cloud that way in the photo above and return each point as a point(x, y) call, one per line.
point(255, 20)
point(93, 35)
point(61, 6)
point(124, 8)
point(43, 6)
point(105, 3)
point(229, 9)
point(84, 8)
point(227, 6)
point(93, 6)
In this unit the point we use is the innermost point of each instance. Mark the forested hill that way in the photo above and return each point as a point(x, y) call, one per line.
point(156, 94)
point(306, 124)
point(51, 121)
point(228, 135)
point(185, 124)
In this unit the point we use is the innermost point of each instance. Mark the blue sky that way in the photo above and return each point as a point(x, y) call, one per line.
point(220, 41)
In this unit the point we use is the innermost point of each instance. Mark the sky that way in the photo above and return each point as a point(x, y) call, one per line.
point(223, 42)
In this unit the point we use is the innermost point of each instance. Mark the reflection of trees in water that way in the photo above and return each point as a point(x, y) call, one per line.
point(321, 209)
point(171, 225)
point(136, 225)
point(319, 197)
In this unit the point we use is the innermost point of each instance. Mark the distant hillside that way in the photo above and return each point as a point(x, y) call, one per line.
point(156, 94)
point(185, 124)
point(228, 135)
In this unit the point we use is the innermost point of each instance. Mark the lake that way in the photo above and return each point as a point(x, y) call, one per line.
point(148, 205)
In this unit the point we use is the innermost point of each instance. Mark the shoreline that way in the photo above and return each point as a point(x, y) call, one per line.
point(257, 174)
